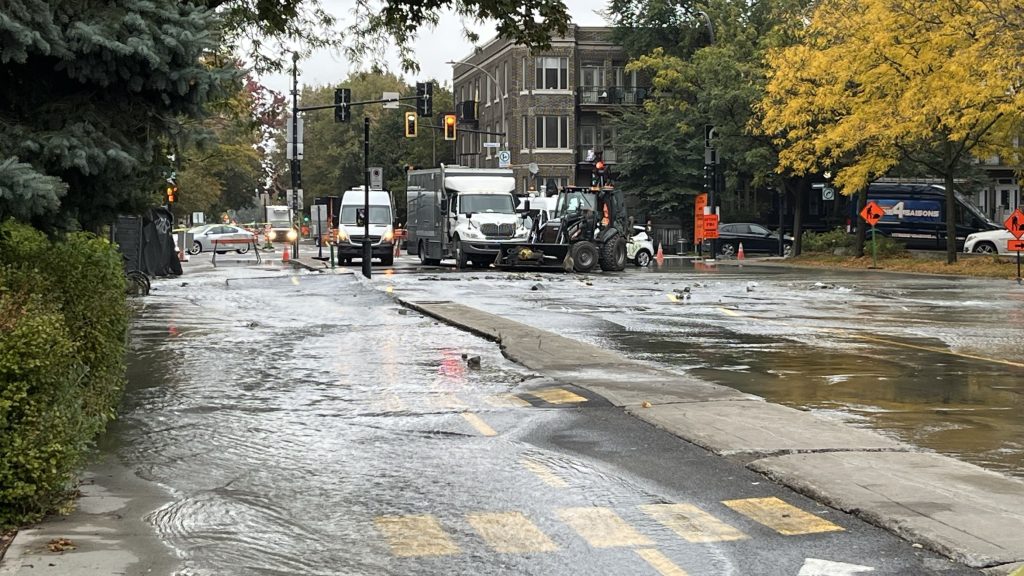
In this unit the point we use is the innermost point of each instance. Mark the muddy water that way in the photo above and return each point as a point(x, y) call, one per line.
point(281, 431)
point(935, 362)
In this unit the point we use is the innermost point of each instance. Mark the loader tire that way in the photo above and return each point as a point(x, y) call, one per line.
point(613, 254)
point(584, 256)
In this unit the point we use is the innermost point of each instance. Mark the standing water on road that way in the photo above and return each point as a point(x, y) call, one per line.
point(935, 362)
point(282, 427)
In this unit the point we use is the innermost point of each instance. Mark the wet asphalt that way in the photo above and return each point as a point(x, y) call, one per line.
point(306, 424)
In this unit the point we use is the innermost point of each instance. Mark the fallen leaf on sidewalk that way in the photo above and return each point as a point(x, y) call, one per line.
point(645, 404)
point(60, 545)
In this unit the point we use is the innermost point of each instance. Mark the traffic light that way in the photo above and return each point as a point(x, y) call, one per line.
point(425, 98)
point(172, 193)
point(410, 124)
point(342, 98)
point(709, 177)
point(449, 126)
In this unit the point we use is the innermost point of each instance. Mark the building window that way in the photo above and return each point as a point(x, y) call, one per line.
point(524, 137)
point(552, 73)
point(504, 67)
point(552, 131)
point(487, 91)
point(497, 84)
point(525, 73)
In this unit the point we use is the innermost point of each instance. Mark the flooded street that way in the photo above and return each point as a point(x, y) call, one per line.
point(306, 424)
point(938, 363)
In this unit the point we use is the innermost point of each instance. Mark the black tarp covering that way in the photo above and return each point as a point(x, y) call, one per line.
point(147, 244)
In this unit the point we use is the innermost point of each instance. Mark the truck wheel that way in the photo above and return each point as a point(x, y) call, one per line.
point(422, 251)
point(584, 256)
point(985, 248)
point(613, 254)
point(461, 260)
point(642, 258)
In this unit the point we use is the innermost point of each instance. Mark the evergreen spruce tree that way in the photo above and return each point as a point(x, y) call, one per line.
point(89, 92)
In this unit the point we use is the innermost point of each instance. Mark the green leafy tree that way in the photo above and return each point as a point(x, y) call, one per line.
point(697, 82)
point(87, 91)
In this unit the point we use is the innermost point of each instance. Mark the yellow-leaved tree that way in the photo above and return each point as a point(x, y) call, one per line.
point(875, 83)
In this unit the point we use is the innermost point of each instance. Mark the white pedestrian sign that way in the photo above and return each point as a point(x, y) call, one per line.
point(504, 159)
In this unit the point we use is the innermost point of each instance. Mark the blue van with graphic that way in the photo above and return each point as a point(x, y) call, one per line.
point(915, 214)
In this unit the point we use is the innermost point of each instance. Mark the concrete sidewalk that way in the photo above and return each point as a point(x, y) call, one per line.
point(965, 512)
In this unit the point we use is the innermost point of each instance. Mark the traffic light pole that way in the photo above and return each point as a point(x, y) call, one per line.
point(295, 145)
point(367, 250)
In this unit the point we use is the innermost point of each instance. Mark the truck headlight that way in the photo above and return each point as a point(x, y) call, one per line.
point(472, 233)
point(292, 235)
point(341, 235)
point(272, 235)
point(522, 232)
point(389, 236)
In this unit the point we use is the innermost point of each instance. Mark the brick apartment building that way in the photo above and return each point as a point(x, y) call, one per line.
point(552, 106)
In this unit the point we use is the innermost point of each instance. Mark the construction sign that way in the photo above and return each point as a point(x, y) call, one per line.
point(1015, 245)
point(710, 226)
point(698, 218)
point(1015, 224)
point(872, 213)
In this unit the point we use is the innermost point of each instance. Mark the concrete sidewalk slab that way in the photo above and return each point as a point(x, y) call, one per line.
point(965, 512)
point(758, 427)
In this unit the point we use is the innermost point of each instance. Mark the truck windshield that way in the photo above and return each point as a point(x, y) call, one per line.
point(379, 215)
point(489, 203)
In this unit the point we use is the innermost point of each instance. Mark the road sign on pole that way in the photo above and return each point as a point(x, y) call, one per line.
point(1015, 223)
point(376, 178)
point(872, 213)
point(504, 159)
point(710, 226)
point(392, 98)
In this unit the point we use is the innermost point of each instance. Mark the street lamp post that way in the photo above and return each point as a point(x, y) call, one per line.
point(497, 88)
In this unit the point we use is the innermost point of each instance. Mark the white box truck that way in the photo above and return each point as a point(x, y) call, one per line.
point(279, 224)
point(352, 230)
point(461, 213)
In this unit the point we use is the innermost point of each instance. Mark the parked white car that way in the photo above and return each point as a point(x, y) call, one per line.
point(640, 248)
point(988, 242)
point(203, 237)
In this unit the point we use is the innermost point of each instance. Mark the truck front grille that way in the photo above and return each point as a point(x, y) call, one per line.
point(499, 230)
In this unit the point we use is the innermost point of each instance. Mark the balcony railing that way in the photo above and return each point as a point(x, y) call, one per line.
point(608, 155)
point(611, 95)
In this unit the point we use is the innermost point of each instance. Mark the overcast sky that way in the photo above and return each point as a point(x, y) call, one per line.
point(433, 48)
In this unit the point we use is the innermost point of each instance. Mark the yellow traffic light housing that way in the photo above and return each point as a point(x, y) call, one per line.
point(449, 126)
point(410, 125)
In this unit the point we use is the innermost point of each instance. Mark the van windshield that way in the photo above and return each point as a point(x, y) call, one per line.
point(379, 215)
point(486, 203)
point(974, 209)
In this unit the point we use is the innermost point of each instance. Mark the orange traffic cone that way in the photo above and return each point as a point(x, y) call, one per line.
point(739, 253)
point(660, 256)
point(286, 256)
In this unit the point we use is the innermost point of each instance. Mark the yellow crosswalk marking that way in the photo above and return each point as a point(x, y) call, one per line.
point(692, 523)
point(660, 562)
point(478, 423)
point(784, 518)
point(510, 532)
point(730, 312)
point(602, 528)
point(506, 401)
point(557, 396)
point(416, 536)
point(543, 472)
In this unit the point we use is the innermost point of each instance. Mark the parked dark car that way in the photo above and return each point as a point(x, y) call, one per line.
point(754, 237)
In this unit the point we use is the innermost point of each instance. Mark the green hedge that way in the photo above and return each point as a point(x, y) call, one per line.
point(63, 323)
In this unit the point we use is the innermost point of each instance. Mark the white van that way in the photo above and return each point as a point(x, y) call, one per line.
point(351, 226)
